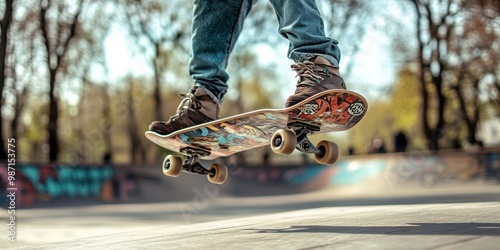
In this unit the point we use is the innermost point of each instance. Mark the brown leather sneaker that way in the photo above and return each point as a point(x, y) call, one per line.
point(315, 76)
point(197, 107)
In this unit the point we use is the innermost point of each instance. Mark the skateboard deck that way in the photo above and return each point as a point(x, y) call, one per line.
point(330, 111)
point(283, 129)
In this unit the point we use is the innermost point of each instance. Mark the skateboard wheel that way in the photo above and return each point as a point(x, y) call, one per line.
point(172, 166)
point(283, 142)
point(219, 175)
point(329, 152)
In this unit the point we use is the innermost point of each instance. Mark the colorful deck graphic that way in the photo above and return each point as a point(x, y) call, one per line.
point(333, 110)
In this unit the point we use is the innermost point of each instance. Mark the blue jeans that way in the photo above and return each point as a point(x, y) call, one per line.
point(218, 23)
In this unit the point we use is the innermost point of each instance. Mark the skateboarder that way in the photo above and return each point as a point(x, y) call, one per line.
point(215, 29)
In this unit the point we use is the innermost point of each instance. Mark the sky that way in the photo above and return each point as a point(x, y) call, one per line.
point(120, 59)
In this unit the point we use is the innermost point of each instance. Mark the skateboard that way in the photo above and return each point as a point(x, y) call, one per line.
point(283, 129)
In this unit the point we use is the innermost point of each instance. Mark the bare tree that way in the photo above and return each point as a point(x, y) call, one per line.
point(486, 14)
point(348, 20)
point(5, 24)
point(88, 51)
point(21, 69)
point(164, 27)
point(457, 51)
point(58, 24)
point(435, 24)
point(107, 123)
point(20, 90)
point(474, 46)
point(133, 128)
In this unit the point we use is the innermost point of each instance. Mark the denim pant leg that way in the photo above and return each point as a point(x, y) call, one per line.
point(300, 22)
point(215, 29)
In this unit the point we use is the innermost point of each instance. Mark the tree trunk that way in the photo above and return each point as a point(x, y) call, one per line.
point(471, 121)
point(53, 119)
point(135, 142)
point(5, 25)
point(55, 55)
point(430, 37)
point(424, 111)
point(157, 91)
point(107, 124)
point(441, 99)
point(18, 110)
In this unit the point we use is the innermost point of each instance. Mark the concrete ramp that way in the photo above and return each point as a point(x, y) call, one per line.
point(410, 226)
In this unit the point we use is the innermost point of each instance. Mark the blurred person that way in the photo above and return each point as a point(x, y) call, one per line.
point(378, 146)
point(107, 158)
point(400, 141)
point(215, 29)
point(351, 151)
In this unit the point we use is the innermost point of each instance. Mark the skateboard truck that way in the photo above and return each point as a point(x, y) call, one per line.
point(173, 165)
point(192, 162)
point(303, 143)
point(285, 141)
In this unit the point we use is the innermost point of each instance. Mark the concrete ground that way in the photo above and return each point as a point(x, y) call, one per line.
point(460, 216)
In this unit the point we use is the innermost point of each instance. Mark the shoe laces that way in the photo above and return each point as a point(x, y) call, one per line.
point(188, 103)
point(309, 73)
